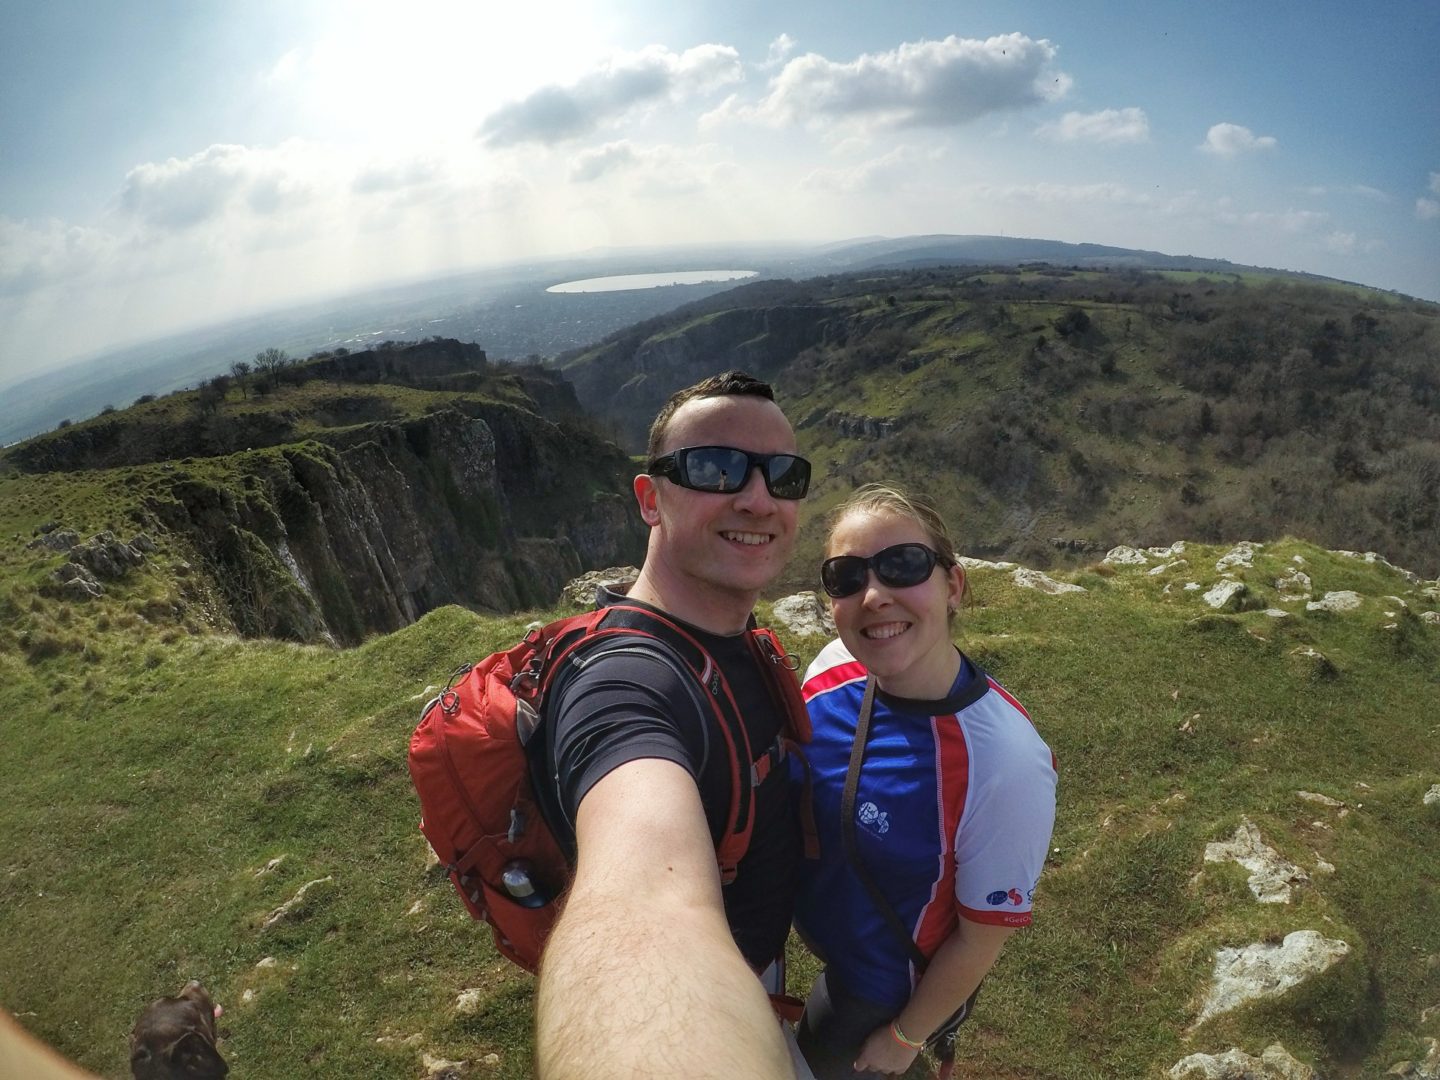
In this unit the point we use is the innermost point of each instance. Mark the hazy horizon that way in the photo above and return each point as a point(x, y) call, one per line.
point(171, 165)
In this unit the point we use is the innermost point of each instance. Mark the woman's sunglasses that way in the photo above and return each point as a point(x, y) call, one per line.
point(900, 567)
point(725, 470)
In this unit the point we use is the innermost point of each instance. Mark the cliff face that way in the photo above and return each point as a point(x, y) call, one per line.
point(317, 542)
point(627, 386)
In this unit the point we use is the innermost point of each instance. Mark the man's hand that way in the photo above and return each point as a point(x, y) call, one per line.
point(641, 977)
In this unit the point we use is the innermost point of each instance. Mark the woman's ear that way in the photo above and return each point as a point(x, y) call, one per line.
point(647, 497)
point(955, 594)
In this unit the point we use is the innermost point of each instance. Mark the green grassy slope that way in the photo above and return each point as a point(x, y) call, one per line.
point(151, 774)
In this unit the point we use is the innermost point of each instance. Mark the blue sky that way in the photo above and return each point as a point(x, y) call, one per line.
point(166, 164)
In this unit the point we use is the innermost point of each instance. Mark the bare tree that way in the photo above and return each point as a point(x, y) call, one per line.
point(241, 370)
point(270, 362)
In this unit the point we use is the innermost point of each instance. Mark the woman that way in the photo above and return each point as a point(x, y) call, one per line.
point(928, 862)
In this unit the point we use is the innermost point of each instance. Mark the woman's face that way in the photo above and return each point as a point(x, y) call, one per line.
point(902, 635)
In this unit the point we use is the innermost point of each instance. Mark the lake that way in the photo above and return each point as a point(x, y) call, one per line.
point(650, 281)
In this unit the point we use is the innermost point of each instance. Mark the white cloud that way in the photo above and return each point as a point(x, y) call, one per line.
point(889, 173)
point(1427, 209)
point(627, 81)
point(594, 163)
point(33, 255)
point(925, 83)
point(179, 194)
point(1227, 140)
point(780, 50)
point(1106, 126)
point(384, 176)
point(1341, 243)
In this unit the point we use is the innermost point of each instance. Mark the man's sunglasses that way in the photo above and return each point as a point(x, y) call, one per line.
point(725, 470)
point(899, 567)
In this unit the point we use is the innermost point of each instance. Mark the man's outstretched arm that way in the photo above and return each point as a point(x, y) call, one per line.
point(641, 977)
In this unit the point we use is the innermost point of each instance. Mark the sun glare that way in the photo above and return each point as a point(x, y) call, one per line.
point(383, 74)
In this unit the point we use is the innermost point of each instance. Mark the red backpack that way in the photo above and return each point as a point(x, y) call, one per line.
point(469, 764)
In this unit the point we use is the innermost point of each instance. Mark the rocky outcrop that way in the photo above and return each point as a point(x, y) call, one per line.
point(315, 542)
point(1274, 1063)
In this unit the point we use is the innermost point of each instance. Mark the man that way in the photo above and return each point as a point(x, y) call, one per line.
point(651, 969)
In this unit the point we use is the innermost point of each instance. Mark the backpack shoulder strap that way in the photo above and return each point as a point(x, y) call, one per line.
point(621, 621)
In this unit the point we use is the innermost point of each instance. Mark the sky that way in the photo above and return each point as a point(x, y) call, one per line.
point(165, 164)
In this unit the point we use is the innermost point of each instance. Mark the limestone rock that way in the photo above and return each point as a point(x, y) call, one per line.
point(437, 1068)
point(77, 583)
point(1226, 595)
point(1294, 584)
point(1165, 568)
point(1271, 876)
point(1276, 613)
point(1432, 797)
point(983, 564)
point(1241, 555)
point(580, 592)
point(1380, 560)
point(1261, 970)
point(1274, 1063)
point(1125, 556)
point(804, 614)
point(1427, 1069)
point(1316, 797)
point(106, 556)
point(1431, 617)
point(1177, 548)
point(1034, 579)
point(63, 540)
point(470, 1001)
point(288, 909)
point(1344, 600)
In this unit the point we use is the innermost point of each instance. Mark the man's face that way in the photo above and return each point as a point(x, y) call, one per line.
point(735, 543)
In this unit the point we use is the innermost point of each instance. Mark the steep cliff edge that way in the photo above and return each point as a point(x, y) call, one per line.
point(312, 541)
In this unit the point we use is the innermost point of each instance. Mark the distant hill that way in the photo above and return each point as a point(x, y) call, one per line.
point(1057, 411)
point(507, 312)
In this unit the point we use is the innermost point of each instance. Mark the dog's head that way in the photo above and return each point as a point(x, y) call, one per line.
point(174, 1039)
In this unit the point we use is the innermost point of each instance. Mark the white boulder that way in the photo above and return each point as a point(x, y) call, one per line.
point(1262, 970)
point(1241, 555)
point(1225, 594)
point(1034, 579)
point(1344, 600)
point(1274, 1063)
point(803, 614)
point(1271, 876)
point(1125, 556)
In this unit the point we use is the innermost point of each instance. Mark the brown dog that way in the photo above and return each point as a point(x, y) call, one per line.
point(174, 1039)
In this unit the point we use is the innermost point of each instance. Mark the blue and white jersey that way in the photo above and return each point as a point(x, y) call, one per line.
point(954, 811)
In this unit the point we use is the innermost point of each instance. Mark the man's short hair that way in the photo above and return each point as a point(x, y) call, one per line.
point(726, 384)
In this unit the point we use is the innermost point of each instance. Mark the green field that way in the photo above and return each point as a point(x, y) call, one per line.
point(153, 768)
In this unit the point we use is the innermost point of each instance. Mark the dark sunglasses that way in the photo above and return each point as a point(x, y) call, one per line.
point(725, 470)
point(899, 567)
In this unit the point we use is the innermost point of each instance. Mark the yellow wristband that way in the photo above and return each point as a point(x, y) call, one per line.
point(900, 1037)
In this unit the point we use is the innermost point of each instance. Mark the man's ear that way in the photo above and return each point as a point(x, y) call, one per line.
point(647, 497)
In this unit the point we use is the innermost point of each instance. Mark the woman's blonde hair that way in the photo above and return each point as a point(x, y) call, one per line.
point(894, 499)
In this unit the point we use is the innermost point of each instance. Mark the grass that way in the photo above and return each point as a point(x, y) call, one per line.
point(149, 782)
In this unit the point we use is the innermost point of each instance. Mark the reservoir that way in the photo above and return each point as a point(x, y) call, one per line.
point(650, 281)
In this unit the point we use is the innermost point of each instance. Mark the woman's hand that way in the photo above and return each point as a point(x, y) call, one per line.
point(882, 1052)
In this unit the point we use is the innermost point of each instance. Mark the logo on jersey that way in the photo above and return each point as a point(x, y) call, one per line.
point(873, 818)
point(1002, 896)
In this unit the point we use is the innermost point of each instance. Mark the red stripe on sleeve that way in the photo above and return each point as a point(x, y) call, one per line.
point(997, 918)
point(830, 678)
